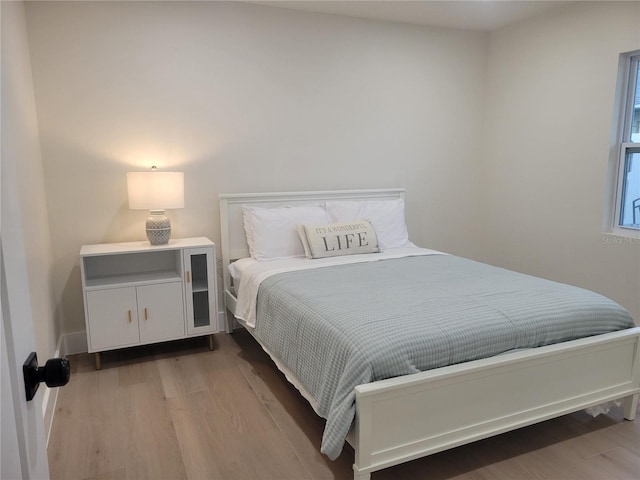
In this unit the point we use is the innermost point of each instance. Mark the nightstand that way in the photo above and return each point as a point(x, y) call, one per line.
point(136, 293)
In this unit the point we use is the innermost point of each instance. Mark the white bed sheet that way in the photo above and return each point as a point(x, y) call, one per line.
point(254, 274)
point(237, 268)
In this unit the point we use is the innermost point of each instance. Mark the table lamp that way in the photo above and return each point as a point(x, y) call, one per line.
point(156, 191)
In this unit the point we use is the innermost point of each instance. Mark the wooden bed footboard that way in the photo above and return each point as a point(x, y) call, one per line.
point(404, 418)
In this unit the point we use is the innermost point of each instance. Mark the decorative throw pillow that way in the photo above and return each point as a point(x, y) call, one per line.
point(336, 239)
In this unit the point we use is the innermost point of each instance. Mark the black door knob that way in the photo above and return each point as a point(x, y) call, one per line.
point(55, 373)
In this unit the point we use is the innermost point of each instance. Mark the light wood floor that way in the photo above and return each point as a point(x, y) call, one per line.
point(177, 410)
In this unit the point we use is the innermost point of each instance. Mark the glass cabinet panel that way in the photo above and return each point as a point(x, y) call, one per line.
point(200, 288)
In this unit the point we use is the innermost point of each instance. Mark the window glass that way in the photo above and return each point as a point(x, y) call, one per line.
point(625, 212)
point(630, 211)
point(635, 121)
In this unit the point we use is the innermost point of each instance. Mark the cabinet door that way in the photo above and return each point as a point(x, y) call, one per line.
point(161, 312)
point(113, 318)
point(200, 290)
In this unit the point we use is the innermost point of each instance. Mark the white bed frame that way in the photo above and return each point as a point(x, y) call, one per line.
point(403, 418)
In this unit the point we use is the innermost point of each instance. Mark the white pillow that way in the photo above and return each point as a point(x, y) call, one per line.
point(271, 232)
point(386, 216)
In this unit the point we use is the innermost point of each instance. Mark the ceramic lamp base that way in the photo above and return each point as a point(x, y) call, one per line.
point(158, 227)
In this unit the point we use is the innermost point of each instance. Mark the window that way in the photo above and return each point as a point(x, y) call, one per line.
point(630, 188)
point(626, 219)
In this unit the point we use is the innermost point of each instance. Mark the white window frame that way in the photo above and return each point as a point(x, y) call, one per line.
point(621, 136)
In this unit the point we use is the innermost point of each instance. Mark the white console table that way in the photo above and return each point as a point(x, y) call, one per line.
point(136, 293)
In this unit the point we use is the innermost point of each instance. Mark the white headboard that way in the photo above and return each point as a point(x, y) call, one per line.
point(233, 240)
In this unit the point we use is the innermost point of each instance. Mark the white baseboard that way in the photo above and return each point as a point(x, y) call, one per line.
point(50, 398)
point(222, 321)
point(49, 401)
point(73, 343)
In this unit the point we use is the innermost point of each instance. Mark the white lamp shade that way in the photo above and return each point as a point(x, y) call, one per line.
point(155, 190)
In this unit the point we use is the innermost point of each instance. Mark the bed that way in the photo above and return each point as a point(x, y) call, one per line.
point(404, 417)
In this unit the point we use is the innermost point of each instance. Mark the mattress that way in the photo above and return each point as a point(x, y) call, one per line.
point(342, 325)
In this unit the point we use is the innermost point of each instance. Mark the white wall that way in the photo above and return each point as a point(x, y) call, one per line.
point(20, 147)
point(501, 140)
point(248, 98)
point(550, 90)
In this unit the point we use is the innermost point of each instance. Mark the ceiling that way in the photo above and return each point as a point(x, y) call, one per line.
point(482, 15)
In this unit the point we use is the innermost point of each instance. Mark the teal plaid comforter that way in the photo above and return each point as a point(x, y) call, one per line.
point(340, 326)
